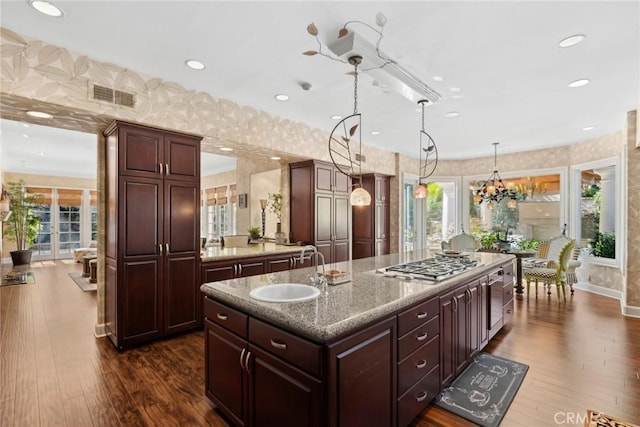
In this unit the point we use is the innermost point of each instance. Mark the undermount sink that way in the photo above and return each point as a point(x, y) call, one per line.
point(285, 292)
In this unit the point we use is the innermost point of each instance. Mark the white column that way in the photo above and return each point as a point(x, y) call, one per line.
point(607, 200)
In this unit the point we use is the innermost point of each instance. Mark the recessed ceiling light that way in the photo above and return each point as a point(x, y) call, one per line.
point(275, 158)
point(457, 97)
point(438, 78)
point(336, 117)
point(39, 114)
point(195, 64)
point(25, 125)
point(24, 135)
point(451, 114)
point(587, 128)
point(375, 132)
point(282, 97)
point(42, 153)
point(578, 83)
point(226, 149)
point(46, 8)
point(571, 40)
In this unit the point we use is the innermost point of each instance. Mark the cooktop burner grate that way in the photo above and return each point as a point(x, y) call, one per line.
point(437, 268)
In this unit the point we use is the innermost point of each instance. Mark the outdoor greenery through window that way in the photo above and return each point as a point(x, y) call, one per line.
point(597, 212)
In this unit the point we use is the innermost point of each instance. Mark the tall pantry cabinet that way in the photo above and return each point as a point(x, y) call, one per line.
point(152, 260)
point(320, 208)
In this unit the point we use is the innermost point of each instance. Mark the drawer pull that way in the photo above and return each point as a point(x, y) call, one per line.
point(421, 315)
point(279, 345)
point(222, 316)
point(421, 364)
point(422, 337)
point(422, 396)
point(508, 311)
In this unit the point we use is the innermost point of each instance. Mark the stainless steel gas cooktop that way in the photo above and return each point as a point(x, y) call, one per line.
point(434, 269)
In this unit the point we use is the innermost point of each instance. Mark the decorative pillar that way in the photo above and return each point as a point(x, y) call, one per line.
point(607, 200)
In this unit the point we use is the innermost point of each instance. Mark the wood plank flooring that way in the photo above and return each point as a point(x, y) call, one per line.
point(53, 371)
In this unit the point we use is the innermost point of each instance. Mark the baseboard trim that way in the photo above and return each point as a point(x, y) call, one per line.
point(599, 290)
point(100, 330)
point(626, 310)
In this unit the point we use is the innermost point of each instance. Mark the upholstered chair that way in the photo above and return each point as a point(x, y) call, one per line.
point(549, 250)
point(552, 272)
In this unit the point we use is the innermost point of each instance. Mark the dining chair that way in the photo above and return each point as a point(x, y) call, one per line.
point(555, 271)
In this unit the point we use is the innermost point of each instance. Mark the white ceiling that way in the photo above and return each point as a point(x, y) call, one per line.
point(503, 56)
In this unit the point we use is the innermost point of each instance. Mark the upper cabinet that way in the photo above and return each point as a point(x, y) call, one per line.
point(147, 153)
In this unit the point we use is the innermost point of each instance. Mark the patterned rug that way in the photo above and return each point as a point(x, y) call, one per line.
point(598, 419)
point(483, 392)
point(18, 278)
point(83, 282)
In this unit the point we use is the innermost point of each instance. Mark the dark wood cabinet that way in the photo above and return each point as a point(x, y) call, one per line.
point(253, 372)
point(214, 271)
point(152, 233)
point(371, 223)
point(320, 192)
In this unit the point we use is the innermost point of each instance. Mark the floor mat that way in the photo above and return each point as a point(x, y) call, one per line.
point(18, 278)
point(483, 392)
point(83, 282)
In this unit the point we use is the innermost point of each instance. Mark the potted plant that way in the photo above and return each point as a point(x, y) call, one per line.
point(23, 225)
point(254, 233)
point(275, 205)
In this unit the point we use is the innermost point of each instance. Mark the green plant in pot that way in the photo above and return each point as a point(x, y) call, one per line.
point(254, 233)
point(23, 225)
point(275, 205)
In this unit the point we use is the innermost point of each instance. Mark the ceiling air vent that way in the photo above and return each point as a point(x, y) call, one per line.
point(118, 97)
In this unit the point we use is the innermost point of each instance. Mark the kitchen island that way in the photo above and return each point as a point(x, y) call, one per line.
point(372, 351)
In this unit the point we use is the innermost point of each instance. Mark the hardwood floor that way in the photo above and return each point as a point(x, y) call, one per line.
point(53, 371)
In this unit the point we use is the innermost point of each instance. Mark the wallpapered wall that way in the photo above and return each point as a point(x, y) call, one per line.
point(36, 74)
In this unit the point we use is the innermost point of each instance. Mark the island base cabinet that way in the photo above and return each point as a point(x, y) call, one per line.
point(279, 394)
point(361, 380)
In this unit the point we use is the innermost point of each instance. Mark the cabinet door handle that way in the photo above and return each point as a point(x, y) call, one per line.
point(222, 316)
point(160, 248)
point(422, 396)
point(455, 304)
point(422, 337)
point(246, 362)
point(278, 345)
point(166, 247)
point(235, 269)
point(166, 168)
point(422, 315)
point(160, 167)
point(242, 359)
point(421, 364)
point(239, 269)
point(509, 311)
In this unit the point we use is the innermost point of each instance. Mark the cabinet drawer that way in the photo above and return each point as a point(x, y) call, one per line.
point(417, 364)
point(507, 312)
point(418, 397)
point(413, 317)
point(419, 336)
point(508, 273)
point(507, 292)
point(297, 351)
point(227, 317)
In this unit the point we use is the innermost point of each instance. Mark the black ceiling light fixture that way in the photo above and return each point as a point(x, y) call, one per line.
point(493, 190)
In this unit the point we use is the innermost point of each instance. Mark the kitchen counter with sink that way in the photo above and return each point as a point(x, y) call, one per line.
point(372, 351)
point(343, 307)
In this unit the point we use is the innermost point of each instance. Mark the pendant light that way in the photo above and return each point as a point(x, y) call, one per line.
point(493, 189)
point(341, 144)
point(428, 158)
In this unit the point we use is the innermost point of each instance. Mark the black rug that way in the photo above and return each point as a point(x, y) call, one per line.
point(83, 282)
point(18, 278)
point(483, 392)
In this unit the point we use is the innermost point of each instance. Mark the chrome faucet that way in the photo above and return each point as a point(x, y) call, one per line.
point(316, 280)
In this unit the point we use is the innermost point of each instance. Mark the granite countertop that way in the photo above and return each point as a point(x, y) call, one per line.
point(216, 253)
point(342, 308)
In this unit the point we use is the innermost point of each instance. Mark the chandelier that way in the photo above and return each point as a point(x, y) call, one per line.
point(493, 190)
point(428, 158)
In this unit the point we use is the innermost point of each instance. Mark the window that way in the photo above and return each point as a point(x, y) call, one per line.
point(218, 214)
point(596, 186)
point(538, 215)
